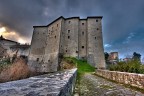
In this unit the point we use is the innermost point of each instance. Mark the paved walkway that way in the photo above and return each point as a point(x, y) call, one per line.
point(91, 85)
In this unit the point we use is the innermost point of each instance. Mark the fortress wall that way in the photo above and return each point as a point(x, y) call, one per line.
point(82, 39)
point(38, 43)
point(52, 47)
point(71, 37)
point(62, 39)
point(95, 43)
point(99, 48)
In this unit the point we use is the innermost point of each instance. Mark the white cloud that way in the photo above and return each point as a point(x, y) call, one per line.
point(107, 45)
point(131, 35)
point(12, 35)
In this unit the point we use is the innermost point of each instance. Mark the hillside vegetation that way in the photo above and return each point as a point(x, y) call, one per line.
point(82, 65)
point(133, 66)
point(15, 71)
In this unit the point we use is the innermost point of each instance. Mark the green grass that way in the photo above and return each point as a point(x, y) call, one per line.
point(4, 64)
point(82, 65)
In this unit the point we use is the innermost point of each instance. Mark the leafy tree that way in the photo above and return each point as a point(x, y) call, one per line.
point(136, 56)
point(106, 56)
point(133, 66)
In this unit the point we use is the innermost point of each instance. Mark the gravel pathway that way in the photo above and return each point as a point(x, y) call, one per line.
point(92, 85)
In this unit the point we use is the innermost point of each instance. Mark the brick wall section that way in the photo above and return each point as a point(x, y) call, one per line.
point(133, 79)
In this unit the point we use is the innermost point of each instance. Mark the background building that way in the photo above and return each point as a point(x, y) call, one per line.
point(113, 56)
point(9, 48)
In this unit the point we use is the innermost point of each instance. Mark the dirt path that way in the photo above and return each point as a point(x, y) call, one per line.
point(91, 85)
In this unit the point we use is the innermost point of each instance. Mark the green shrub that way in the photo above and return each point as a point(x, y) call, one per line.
point(4, 63)
point(133, 66)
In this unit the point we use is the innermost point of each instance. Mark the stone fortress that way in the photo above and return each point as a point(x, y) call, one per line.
point(69, 37)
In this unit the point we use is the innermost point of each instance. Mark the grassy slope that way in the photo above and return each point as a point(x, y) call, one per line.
point(83, 66)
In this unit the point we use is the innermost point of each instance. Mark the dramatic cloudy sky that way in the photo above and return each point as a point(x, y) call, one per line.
point(123, 20)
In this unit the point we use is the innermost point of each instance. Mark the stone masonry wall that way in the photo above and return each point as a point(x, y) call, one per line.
point(132, 79)
point(52, 47)
point(38, 44)
point(82, 50)
point(37, 49)
point(53, 84)
point(70, 33)
point(95, 51)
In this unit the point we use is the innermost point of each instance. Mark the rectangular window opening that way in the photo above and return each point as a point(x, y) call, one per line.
point(37, 59)
point(68, 31)
point(82, 33)
point(69, 22)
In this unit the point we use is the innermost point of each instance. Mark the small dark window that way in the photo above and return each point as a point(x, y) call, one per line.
point(52, 27)
point(82, 46)
point(48, 60)
point(61, 45)
point(68, 31)
point(95, 37)
point(82, 33)
point(82, 23)
point(69, 22)
point(66, 50)
point(55, 36)
point(97, 28)
point(68, 37)
point(57, 25)
point(37, 59)
point(96, 20)
point(76, 51)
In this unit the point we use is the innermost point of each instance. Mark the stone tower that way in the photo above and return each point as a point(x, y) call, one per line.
point(71, 37)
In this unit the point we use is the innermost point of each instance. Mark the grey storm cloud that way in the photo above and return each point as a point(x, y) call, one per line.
point(123, 22)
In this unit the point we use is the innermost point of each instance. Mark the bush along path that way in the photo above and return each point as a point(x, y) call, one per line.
point(88, 84)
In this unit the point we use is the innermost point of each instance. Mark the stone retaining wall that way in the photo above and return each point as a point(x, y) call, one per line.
point(53, 84)
point(132, 79)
